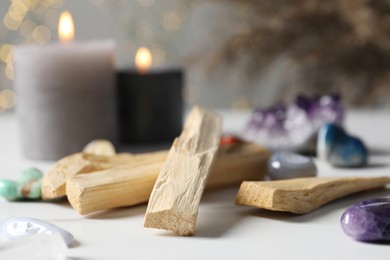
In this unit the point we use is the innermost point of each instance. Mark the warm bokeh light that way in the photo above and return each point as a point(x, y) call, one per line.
point(7, 57)
point(240, 103)
point(10, 23)
point(143, 60)
point(66, 27)
point(7, 99)
point(41, 34)
point(5, 52)
point(172, 21)
point(3, 103)
point(10, 97)
point(9, 71)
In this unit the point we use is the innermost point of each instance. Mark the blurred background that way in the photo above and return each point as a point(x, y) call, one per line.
point(237, 54)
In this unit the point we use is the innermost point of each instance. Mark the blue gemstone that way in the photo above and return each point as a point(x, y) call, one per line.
point(339, 148)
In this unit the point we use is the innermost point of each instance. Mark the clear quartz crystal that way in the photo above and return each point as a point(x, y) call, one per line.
point(35, 247)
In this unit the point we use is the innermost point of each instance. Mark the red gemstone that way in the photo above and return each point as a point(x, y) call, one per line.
point(230, 139)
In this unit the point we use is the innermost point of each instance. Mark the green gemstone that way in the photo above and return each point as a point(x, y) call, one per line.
point(35, 190)
point(29, 175)
point(9, 190)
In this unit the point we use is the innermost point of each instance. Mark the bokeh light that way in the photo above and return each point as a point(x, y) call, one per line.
point(6, 52)
point(3, 103)
point(240, 103)
point(41, 34)
point(10, 97)
point(172, 21)
point(9, 71)
point(7, 99)
point(10, 23)
point(137, 23)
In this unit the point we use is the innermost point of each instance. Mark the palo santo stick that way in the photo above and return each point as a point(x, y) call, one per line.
point(53, 183)
point(174, 202)
point(128, 185)
point(302, 195)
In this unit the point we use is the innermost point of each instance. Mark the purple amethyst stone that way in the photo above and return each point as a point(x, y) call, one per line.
point(291, 127)
point(368, 220)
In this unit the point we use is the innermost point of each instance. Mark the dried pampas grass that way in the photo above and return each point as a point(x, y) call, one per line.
point(339, 45)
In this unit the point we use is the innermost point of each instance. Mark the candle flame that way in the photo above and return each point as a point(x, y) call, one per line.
point(143, 60)
point(66, 27)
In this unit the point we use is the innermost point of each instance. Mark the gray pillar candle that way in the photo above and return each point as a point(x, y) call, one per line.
point(66, 97)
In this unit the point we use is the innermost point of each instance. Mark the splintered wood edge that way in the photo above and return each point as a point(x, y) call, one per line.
point(198, 144)
point(285, 196)
point(168, 220)
point(53, 182)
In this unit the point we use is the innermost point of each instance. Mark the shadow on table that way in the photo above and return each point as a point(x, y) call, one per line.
point(342, 203)
point(379, 151)
point(118, 213)
point(375, 165)
point(217, 214)
point(222, 215)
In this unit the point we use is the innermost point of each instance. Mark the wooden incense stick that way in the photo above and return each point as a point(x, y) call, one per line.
point(174, 202)
point(127, 185)
point(302, 195)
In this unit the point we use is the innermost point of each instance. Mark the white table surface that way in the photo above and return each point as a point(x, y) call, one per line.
point(224, 231)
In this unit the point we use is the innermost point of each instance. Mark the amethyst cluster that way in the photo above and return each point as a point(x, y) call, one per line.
point(291, 127)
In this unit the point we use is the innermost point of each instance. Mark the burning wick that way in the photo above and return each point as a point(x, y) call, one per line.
point(143, 60)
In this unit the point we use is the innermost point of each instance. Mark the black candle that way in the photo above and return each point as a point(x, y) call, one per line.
point(150, 106)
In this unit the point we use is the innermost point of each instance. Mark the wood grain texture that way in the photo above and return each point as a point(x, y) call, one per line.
point(116, 187)
point(127, 185)
point(302, 195)
point(174, 202)
point(54, 181)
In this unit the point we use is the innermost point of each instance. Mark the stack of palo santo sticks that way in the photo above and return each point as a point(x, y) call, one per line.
point(98, 178)
point(173, 181)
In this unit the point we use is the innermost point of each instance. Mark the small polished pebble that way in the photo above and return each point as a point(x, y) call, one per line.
point(28, 186)
point(15, 228)
point(340, 149)
point(368, 220)
point(30, 183)
point(100, 147)
point(9, 190)
point(288, 165)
